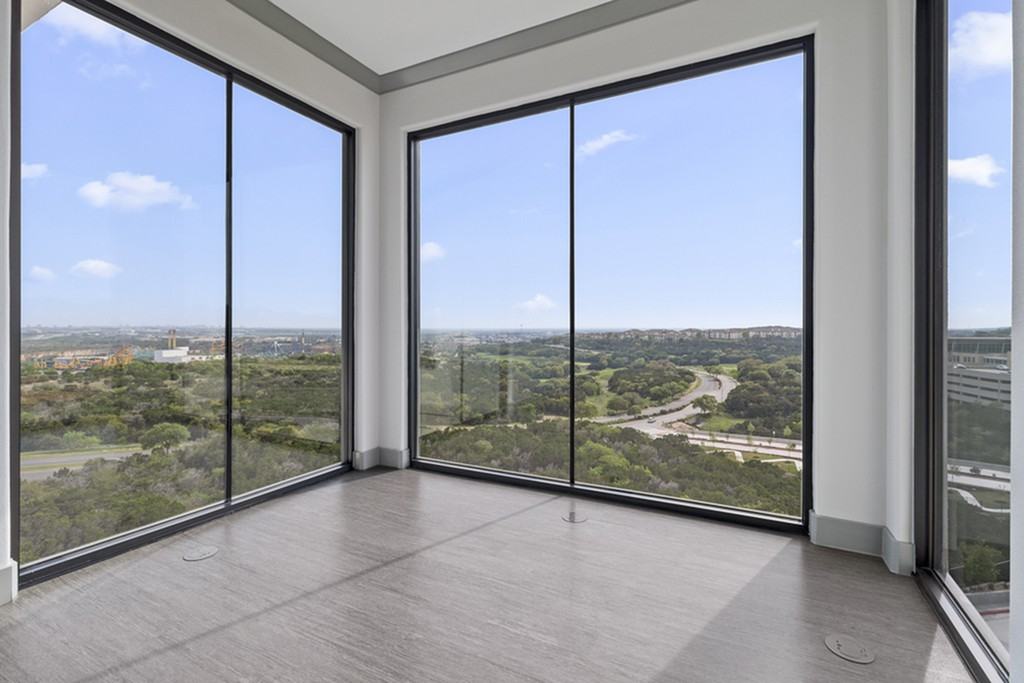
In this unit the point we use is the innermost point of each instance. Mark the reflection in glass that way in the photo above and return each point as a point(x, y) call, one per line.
point(977, 381)
point(286, 303)
point(494, 308)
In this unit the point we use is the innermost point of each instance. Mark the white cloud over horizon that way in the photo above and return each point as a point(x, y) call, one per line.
point(41, 274)
point(133, 192)
point(603, 142)
point(32, 171)
point(978, 170)
point(431, 251)
point(540, 302)
point(72, 23)
point(96, 268)
point(982, 42)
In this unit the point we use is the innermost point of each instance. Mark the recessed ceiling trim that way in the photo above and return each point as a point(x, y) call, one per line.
point(542, 35)
point(533, 38)
point(278, 20)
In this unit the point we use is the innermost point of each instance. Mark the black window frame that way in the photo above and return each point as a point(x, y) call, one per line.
point(930, 343)
point(74, 558)
point(803, 45)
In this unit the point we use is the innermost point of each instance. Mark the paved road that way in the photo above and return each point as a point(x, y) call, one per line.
point(978, 482)
point(972, 500)
point(777, 447)
point(40, 466)
point(718, 386)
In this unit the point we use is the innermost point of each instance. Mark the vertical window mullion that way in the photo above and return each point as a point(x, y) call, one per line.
point(572, 292)
point(228, 260)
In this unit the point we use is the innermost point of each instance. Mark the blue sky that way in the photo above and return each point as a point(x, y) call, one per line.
point(124, 195)
point(688, 202)
point(688, 197)
point(688, 210)
point(979, 169)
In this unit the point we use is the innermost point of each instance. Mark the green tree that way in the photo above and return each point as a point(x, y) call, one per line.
point(165, 435)
point(707, 404)
point(980, 561)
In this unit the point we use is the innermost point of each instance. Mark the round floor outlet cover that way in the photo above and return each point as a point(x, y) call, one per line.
point(200, 553)
point(849, 648)
point(574, 518)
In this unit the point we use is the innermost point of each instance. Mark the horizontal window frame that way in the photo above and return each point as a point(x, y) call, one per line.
point(802, 45)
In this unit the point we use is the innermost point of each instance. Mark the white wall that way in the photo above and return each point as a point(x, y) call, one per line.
point(852, 213)
point(8, 569)
point(897, 546)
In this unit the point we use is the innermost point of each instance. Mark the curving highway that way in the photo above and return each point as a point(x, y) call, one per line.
point(718, 386)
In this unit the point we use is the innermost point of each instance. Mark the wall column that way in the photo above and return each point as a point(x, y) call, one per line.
point(8, 568)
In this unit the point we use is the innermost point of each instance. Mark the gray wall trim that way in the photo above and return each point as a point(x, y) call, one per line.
point(364, 460)
point(844, 534)
point(393, 457)
point(898, 555)
point(277, 19)
point(555, 31)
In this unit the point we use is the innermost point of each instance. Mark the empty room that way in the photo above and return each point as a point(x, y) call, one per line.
point(534, 340)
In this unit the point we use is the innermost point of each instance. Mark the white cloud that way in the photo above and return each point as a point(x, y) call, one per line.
point(133, 192)
point(96, 268)
point(604, 141)
point(537, 303)
point(96, 70)
point(41, 274)
point(981, 42)
point(979, 170)
point(72, 23)
point(431, 251)
point(30, 171)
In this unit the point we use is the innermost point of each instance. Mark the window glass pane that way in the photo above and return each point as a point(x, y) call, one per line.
point(689, 288)
point(122, 388)
point(977, 501)
point(287, 293)
point(494, 304)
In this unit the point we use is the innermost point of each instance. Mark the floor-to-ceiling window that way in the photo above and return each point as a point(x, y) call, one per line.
point(966, 290)
point(629, 265)
point(971, 538)
point(286, 293)
point(166, 209)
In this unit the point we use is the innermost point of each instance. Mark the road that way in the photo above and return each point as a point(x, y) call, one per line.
point(994, 607)
point(972, 500)
point(41, 464)
point(777, 447)
point(718, 386)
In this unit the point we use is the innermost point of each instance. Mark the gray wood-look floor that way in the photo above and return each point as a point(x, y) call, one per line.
point(412, 576)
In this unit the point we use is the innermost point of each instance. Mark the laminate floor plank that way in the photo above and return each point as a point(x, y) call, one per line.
point(416, 576)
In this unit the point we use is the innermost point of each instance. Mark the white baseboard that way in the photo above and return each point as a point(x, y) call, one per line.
point(8, 582)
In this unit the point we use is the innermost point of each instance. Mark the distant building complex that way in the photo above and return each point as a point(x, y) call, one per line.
point(978, 370)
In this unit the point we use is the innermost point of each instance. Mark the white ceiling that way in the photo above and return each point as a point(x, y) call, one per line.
point(387, 35)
